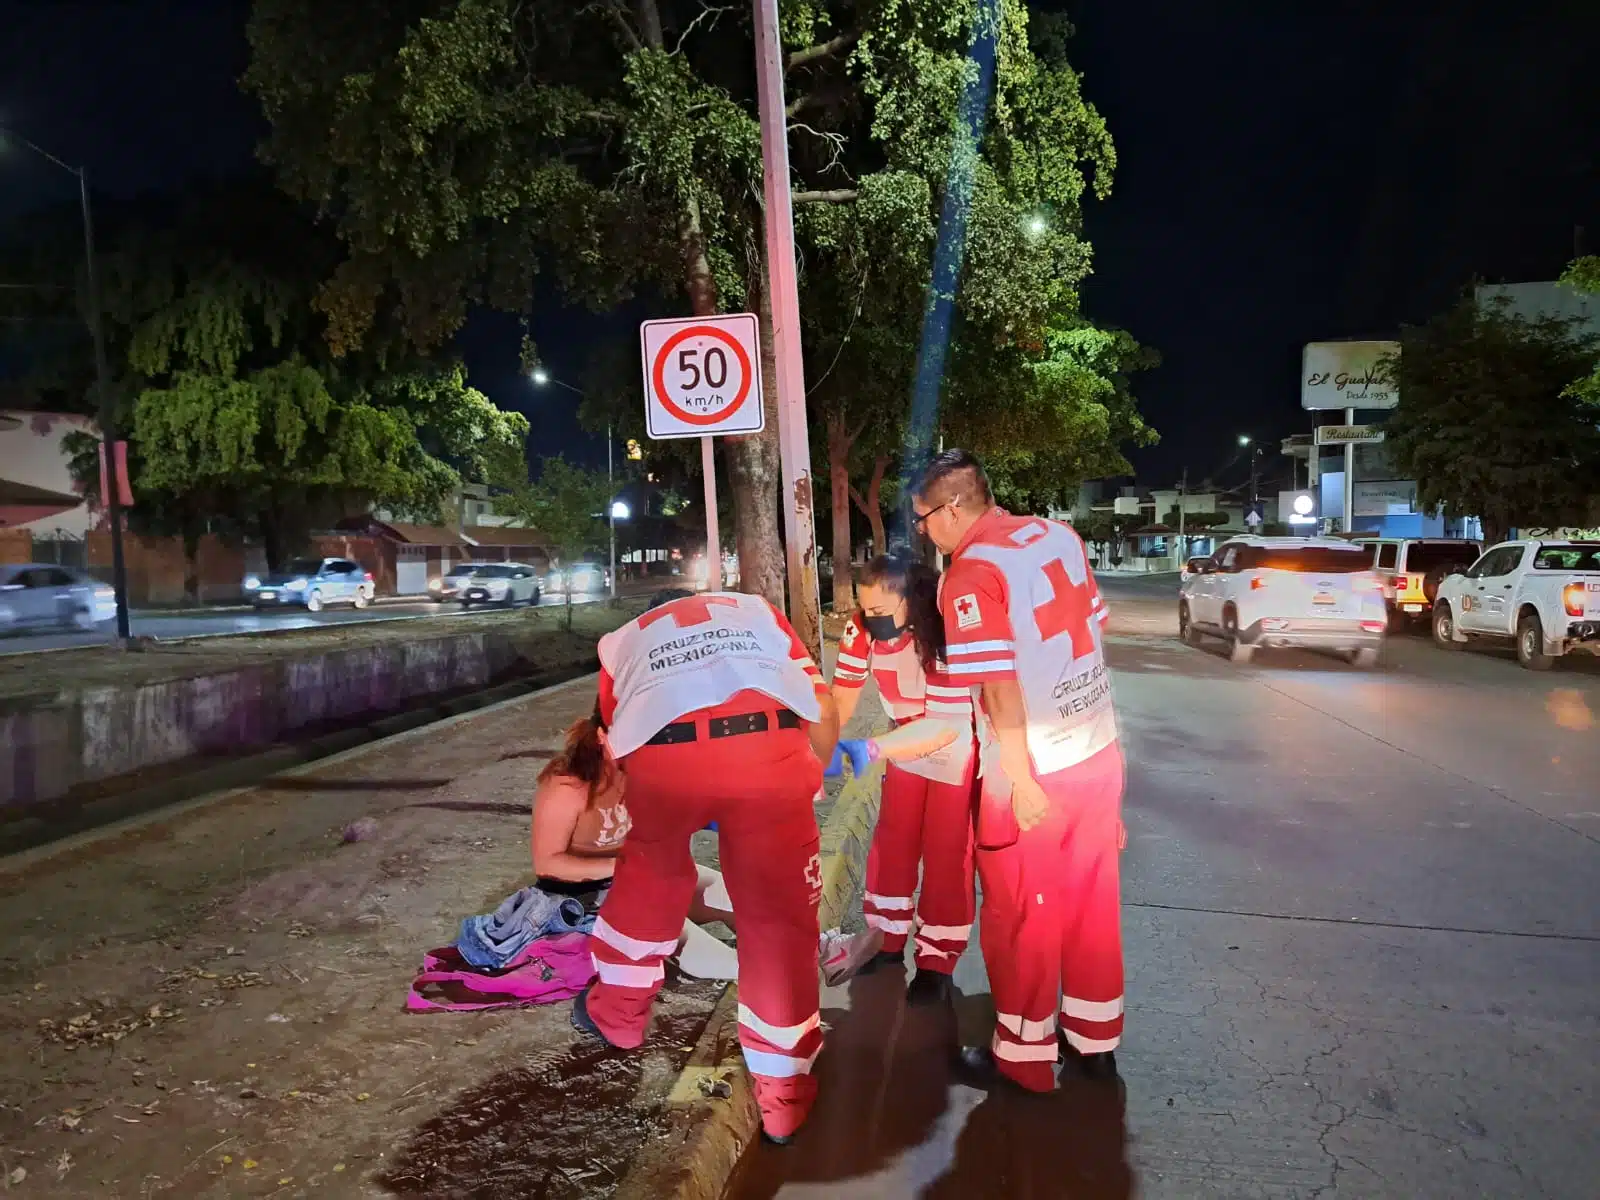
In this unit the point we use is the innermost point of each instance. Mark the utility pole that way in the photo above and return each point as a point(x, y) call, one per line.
point(794, 448)
point(1349, 477)
point(108, 417)
point(1183, 511)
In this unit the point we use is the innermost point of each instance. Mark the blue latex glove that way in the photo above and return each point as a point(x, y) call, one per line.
point(860, 753)
point(712, 827)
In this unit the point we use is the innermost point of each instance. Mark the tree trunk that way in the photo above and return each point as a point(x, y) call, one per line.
point(191, 566)
point(871, 505)
point(839, 481)
point(754, 473)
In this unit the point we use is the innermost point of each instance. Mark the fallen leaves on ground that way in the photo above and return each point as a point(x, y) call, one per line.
point(88, 1029)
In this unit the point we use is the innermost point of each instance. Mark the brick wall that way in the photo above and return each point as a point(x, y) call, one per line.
point(156, 568)
point(16, 546)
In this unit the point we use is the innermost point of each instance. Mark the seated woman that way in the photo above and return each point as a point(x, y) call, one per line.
point(579, 822)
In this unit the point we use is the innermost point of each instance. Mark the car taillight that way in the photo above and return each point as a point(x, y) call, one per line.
point(1257, 583)
point(368, 575)
point(1374, 626)
point(1572, 599)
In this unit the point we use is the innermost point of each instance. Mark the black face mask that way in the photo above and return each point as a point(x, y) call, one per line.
point(882, 629)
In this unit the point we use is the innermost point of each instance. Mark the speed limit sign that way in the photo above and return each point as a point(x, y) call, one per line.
point(702, 376)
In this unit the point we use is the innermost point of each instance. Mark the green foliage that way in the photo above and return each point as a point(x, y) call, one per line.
point(567, 504)
point(1194, 521)
point(1488, 422)
point(237, 414)
point(1584, 275)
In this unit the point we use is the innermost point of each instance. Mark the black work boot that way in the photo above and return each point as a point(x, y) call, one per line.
point(582, 1021)
point(1101, 1065)
point(929, 987)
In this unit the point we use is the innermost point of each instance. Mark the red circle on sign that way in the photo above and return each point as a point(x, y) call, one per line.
point(658, 375)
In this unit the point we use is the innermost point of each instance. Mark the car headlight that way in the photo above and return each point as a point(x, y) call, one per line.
point(251, 583)
point(296, 585)
point(435, 585)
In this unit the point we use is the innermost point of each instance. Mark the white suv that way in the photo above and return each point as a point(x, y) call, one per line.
point(1318, 593)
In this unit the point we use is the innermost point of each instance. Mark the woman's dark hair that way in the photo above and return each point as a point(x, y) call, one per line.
point(584, 758)
point(918, 585)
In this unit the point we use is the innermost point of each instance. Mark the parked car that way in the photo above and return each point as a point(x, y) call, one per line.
point(43, 594)
point(449, 585)
point(506, 584)
point(1413, 568)
point(1317, 593)
point(312, 584)
point(1544, 595)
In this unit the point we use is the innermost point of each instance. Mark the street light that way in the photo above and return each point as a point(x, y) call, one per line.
point(618, 510)
point(1244, 439)
point(108, 433)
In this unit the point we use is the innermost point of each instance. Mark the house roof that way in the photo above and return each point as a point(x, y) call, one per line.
point(12, 492)
point(503, 535)
point(419, 535)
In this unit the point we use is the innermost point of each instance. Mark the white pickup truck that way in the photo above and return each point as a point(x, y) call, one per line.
point(1543, 595)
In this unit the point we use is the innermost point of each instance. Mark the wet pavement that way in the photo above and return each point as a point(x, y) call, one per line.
point(1362, 926)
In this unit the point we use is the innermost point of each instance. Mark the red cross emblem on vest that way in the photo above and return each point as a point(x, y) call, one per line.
point(1068, 611)
point(690, 610)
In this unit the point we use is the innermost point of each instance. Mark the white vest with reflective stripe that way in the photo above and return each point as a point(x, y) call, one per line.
point(697, 652)
point(1061, 664)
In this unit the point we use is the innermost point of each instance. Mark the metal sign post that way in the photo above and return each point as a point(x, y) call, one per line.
point(702, 379)
point(1349, 477)
point(794, 447)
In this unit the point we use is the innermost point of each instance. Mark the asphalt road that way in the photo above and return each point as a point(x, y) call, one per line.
point(177, 624)
point(1362, 929)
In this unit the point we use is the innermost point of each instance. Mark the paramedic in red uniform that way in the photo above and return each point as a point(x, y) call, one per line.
point(1022, 626)
point(716, 712)
point(925, 818)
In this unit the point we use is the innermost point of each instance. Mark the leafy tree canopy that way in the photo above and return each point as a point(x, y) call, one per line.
point(1488, 421)
point(236, 411)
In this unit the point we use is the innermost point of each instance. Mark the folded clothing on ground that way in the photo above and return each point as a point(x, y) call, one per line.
point(497, 938)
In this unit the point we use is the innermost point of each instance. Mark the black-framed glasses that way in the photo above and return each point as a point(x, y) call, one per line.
point(919, 522)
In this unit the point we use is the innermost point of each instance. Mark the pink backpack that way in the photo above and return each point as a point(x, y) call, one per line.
point(547, 970)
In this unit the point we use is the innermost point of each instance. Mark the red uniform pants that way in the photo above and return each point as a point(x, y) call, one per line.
point(1051, 928)
point(759, 788)
point(922, 822)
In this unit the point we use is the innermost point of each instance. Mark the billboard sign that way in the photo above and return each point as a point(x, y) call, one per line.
point(1346, 375)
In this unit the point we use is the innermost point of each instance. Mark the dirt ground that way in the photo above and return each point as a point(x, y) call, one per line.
point(210, 1005)
point(98, 666)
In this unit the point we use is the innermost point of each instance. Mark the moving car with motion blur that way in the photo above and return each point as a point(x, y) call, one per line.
point(1192, 567)
point(312, 584)
point(1543, 595)
point(1314, 593)
point(506, 584)
point(580, 579)
point(1413, 568)
point(35, 595)
point(453, 582)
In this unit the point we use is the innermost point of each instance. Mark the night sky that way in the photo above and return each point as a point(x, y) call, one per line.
point(1288, 172)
